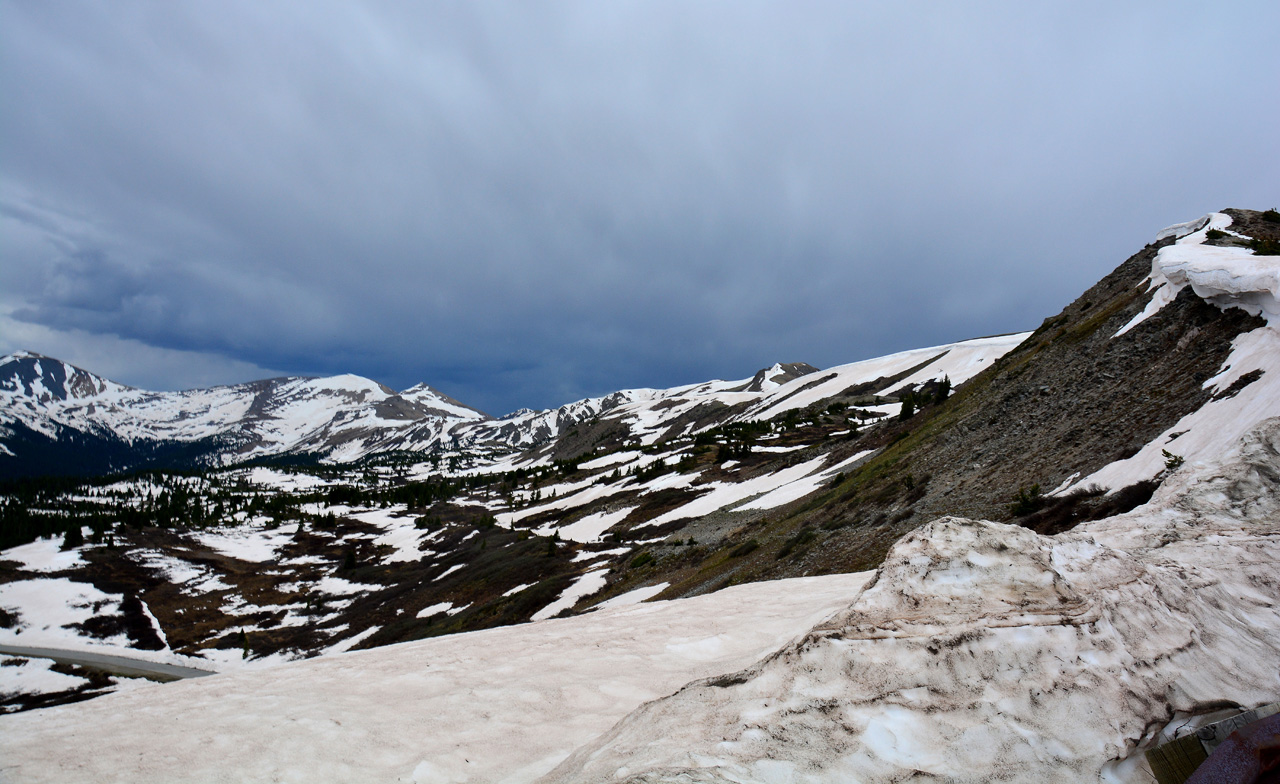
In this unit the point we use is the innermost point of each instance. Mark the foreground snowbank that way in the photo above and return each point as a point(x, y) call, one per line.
point(985, 652)
point(505, 704)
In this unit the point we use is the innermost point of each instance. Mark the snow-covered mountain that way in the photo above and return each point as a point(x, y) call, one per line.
point(58, 418)
point(45, 402)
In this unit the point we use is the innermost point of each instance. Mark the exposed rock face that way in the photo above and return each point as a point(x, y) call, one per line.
point(774, 377)
point(984, 652)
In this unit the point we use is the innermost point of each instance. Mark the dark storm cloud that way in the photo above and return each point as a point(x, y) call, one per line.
point(526, 204)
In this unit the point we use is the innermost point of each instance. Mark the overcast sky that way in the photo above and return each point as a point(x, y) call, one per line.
point(523, 204)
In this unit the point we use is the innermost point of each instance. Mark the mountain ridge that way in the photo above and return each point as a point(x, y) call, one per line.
point(361, 417)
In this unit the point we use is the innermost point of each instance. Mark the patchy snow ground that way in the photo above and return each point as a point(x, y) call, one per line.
point(44, 555)
point(47, 608)
point(773, 490)
point(254, 542)
point(22, 675)
point(585, 585)
point(500, 705)
point(587, 529)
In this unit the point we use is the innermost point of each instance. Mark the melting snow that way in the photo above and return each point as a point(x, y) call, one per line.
point(46, 607)
point(585, 585)
point(43, 555)
point(1226, 277)
point(589, 528)
point(986, 652)
point(502, 704)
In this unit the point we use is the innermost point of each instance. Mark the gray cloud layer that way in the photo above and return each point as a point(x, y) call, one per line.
point(524, 204)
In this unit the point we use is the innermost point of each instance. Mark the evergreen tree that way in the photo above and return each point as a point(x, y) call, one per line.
point(908, 406)
point(74, 537)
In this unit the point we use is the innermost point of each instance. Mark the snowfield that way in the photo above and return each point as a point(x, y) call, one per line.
point(502, 705)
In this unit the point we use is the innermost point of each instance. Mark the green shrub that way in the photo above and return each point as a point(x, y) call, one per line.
point(799, 540)
point(1027, 501)
point(1214, 234)
point(1265, 247)
point(1172, 462)
point(1271, 216)
point(745, 548)
point(908, 407)
point(641, 559)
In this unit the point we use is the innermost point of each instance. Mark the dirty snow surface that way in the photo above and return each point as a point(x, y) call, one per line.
point(504, 704)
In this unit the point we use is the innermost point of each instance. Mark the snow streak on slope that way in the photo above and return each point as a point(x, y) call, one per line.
point(1248, 387)
point(986, 652)
point(959, 361)
point(502, 705)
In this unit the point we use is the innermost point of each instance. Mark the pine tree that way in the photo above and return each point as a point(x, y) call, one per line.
point(908, 406)
point(74, 537)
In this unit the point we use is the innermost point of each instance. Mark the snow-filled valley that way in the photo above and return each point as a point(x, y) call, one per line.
point(851, 574)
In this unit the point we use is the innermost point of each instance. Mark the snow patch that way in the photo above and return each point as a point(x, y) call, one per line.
point(585, 585)
point(47, 608)
point(1228, 277)
point(43, 555)
point(633, 597)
